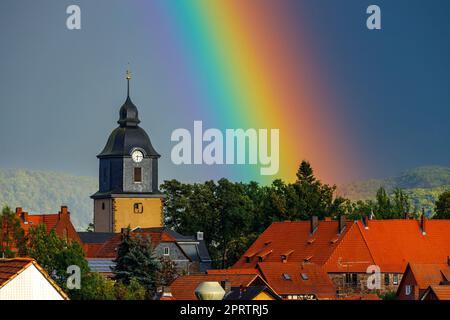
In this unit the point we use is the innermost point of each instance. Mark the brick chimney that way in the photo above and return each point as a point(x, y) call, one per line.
point(22, 215)
point(422, 222)
point(63, 212)
point(314, 223)
point(341, 223)
point(19, 213)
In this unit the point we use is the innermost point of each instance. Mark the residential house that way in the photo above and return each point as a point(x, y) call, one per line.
point(189, 253)
point(417, 278)
point(441, 292)
point(297, 281)
point(183, 288)
point(60, 222)
point(24, 279)
point(349, 251)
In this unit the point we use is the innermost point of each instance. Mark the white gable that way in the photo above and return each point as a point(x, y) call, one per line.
point(30, 284)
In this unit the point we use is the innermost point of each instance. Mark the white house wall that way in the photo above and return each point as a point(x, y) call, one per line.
point(30, 284)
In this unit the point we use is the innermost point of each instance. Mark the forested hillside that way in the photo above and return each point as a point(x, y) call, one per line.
point(423, 185)
point(45, 192)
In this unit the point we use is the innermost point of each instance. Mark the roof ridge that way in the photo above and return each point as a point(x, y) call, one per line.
point(365, 242)
point(339, 243)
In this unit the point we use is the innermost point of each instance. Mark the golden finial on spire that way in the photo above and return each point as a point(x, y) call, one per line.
point(128, 77)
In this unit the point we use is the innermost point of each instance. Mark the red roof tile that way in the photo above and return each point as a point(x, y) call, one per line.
point(232, 271)
point(394, 243)
point(390, 244)
point(293, 237)
point(9, 268)
point(60, 222)
point(183, 288)
point(442, 292)
point(110, 247)
point(294, 278)
point(429, 274)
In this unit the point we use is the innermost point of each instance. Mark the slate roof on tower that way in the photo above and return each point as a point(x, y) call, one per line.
point(128, 135)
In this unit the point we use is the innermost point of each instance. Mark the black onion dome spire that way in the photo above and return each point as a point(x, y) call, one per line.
point(128, 135)
point(128, 112)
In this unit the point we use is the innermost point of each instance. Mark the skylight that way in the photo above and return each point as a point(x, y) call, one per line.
point(286, 276)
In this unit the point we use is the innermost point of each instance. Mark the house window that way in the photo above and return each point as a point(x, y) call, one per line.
point(408, 289)
point(138, 208)
point(166, 251)
point(247, 259)
point(351, 279)
point(103, 206)
point(395, 279)
point(137, 174)
point(386, 279)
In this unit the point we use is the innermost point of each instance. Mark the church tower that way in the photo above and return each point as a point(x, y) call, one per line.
point(128, 177)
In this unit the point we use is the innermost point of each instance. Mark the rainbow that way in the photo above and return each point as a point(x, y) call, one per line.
point(253, 65)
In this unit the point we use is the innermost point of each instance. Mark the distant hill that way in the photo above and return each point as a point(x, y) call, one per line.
point(423, 184)
point(45, 192)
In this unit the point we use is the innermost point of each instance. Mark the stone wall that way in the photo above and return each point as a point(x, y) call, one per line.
point(360, 287)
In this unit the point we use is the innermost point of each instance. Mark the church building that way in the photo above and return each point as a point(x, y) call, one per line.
point(128, 192)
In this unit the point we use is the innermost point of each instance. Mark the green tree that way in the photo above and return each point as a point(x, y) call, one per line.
point(167, 272)
point(136, 260)
point(95, 287)
point(55, 255)
point(12, 236)
point(314, 197)
point(442, 206)
point(401, 204)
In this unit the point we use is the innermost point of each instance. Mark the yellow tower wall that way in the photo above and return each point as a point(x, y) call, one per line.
point(124, 213)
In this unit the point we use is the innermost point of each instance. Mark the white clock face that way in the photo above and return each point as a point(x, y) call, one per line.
point(137, 156)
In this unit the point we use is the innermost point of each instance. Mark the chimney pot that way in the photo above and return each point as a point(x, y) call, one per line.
point(314, 223)
point(365, 222)
point(341, 223)
point(422, 222)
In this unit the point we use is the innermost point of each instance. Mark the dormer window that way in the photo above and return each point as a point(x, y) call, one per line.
point(286, 276)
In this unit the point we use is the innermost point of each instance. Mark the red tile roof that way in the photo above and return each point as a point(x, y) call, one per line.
point(11, 268)
point(390, 244)
point(232, 271)
point(60, 222)
point(429, 274)
point(183, 288)
point(110, 247)
point(281, 238)
point(394, 243)
point(441, 292)
point(294, 278)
